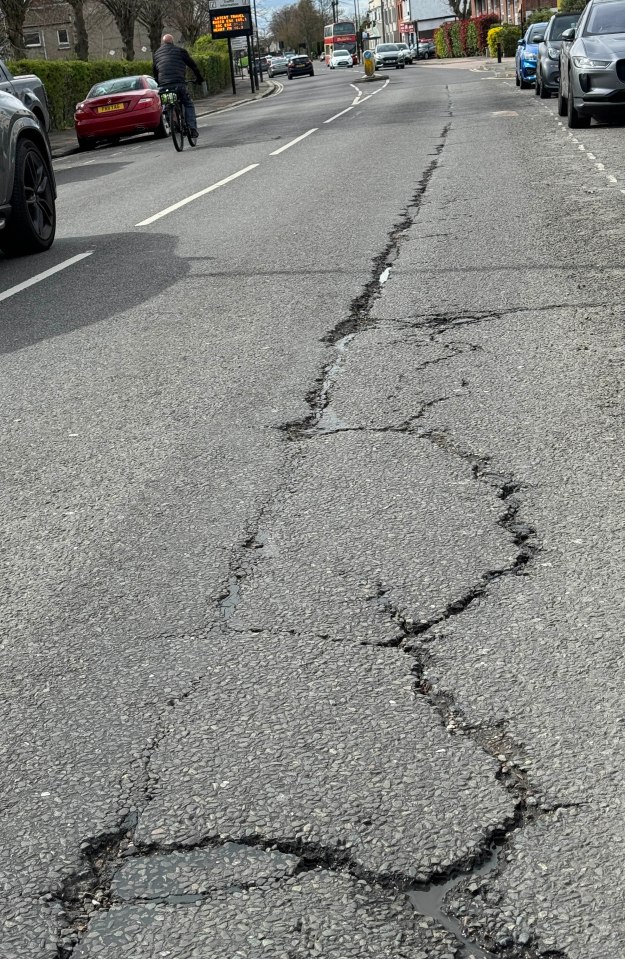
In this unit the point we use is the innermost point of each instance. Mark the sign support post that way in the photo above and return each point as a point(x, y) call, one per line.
point(250, 63)
point(234, 86)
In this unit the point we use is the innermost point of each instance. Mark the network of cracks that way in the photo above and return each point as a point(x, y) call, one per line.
point(100, 882)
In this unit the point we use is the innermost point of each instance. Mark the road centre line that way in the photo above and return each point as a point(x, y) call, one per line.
point(337, 115)
point(196, 196)
point(44, 276)
point(293, 142)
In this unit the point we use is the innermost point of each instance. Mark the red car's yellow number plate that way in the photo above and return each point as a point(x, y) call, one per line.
point(110, 108)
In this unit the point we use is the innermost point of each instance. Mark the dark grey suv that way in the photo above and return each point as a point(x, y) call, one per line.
point(27, 187)
point(548, 63)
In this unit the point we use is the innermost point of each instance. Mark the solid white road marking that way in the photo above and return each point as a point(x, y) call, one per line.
point(44, 276)
point(293, 142)
point(337, 115)
point(196, 196)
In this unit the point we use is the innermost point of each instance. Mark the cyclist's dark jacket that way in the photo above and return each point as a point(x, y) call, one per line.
point(169, 65)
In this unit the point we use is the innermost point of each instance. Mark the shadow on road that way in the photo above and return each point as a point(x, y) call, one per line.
point(88, 171)
point(123, 271)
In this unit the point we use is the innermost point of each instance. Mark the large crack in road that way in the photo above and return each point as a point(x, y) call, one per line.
point(94, 888)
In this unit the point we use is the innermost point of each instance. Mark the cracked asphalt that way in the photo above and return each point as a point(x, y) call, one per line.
point(313, 540)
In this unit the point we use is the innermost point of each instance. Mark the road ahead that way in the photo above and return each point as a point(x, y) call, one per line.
point(312, 541)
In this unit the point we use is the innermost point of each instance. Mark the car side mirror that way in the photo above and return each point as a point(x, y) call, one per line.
point(568, 35)
point(520, 43)
point(539, 38)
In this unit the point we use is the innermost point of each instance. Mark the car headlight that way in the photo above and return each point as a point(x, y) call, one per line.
point(585, 63)
point(553, 53)
point(529, 57)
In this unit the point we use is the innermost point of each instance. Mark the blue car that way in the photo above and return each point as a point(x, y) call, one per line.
point(527, 55)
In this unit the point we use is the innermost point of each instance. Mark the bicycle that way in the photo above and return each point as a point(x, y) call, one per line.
point(175, 119)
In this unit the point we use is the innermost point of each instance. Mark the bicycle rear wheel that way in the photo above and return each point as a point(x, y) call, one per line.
point(177, 133)
point(192, 139)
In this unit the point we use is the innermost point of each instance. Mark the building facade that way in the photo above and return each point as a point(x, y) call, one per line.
point(49, 33)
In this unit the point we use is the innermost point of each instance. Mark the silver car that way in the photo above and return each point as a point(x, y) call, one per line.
point(27, 188)
point(592, 64)
point(389, 55)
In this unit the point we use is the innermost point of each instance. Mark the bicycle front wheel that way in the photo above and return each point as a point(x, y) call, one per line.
point(191, 138)
point(177, 133)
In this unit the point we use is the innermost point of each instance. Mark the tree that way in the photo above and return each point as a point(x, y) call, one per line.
point(125, 14)
point(571, 6)
point(14, 13)
point(81, 43)
point(152, 14)
point(191, 18)
point(460, 8)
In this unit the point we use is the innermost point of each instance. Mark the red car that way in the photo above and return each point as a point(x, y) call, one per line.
point(118, 108)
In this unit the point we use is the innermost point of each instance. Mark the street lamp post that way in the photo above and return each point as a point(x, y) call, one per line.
point(260, 65)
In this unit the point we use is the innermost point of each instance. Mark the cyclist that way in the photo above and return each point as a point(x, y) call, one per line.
point(169, 66)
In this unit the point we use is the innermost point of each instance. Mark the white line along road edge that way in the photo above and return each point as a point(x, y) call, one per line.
point(44, 276)
point(196, 196)
point(293, 142)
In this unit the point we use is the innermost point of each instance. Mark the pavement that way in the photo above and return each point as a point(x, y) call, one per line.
point(63, 142)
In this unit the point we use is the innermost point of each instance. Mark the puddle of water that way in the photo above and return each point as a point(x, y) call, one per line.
point(429, 900)
point(229, 603)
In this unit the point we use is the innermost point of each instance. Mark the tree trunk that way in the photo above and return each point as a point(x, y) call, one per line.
point(151, 17)
point(81, 43)
point(15, 14)
point(126, 27)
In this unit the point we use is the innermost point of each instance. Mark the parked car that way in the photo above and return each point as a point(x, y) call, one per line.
point(548, 61)
point(592, 64)
point(408, 57)
point(388, 55)
point(120, 107)
point(30, 90)
point(426, 49)
point(277, 65)
point(300, 66)
point(341, 58)
point(27, 188)
point(527, 55)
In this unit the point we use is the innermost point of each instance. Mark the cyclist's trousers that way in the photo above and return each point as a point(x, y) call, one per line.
point(187, 103)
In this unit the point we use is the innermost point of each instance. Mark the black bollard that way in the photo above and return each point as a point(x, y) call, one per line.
point(498, 53)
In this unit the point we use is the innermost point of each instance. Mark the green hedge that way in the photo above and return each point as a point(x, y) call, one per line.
point(68, 81)
point(463, 38)
point(507, 35)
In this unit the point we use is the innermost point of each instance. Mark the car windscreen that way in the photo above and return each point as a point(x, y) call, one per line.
point(536, 30)
point(341, 53)
point(561, 24)
point(121, 85)
point(299, 60)
point(386, 47)
point(606, 18)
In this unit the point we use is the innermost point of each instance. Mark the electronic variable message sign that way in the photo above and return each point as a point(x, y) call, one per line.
point(230, 22)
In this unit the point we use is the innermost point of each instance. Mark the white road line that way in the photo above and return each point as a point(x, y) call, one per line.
point(196, 196)
point(611, 179)
point(44, 276)
point(293, 142)
point(337, 115)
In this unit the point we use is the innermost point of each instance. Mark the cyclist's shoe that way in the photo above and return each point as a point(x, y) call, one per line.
point(193, 133)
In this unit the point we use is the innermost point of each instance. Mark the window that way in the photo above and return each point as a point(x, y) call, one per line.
point(32, 38)
point(63, 36)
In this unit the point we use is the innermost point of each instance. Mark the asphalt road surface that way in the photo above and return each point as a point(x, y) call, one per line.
point(312, 537)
